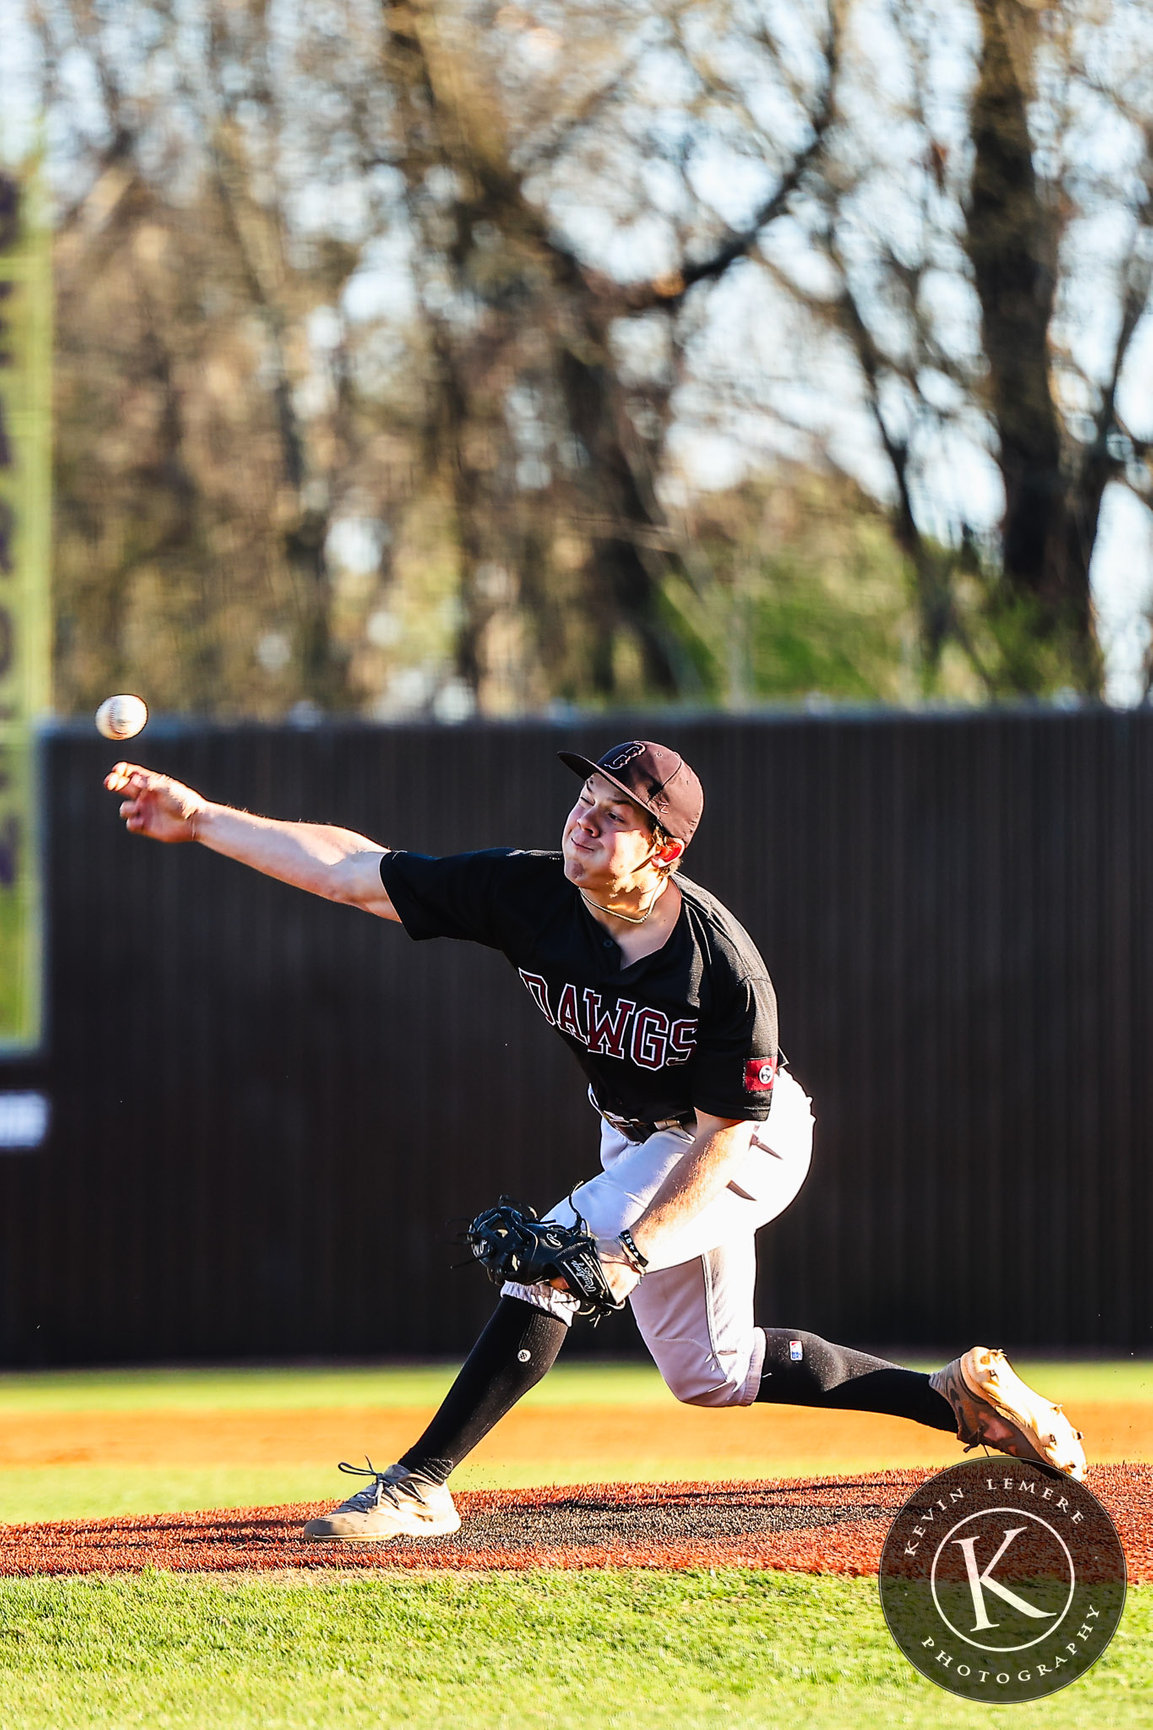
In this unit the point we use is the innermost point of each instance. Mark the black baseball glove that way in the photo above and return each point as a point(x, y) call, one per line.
point(513, 1244)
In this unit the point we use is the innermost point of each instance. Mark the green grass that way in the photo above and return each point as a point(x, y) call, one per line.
point(303, 1387)
point(1130, 1379)
point(75, 1490)
point(265, 1388)
point(498, 1652)
point(30, 1493)
point(82, 1491)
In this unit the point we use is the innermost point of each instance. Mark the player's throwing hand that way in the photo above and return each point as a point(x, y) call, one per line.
point(622, 1275)
point(156, 805)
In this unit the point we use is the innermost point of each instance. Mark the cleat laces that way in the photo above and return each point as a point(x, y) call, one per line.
point(382, 1489)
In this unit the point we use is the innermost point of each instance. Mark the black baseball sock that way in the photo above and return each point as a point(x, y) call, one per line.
point(802, 1370)
point(519, 1345)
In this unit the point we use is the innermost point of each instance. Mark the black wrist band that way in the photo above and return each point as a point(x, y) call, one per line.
point(639, 1261)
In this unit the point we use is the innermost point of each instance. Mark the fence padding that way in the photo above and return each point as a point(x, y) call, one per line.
point(271, 1115)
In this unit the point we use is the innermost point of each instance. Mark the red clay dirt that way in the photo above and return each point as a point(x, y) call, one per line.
point(823, 1525)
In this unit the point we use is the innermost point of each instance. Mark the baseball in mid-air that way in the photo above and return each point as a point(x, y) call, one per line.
point(121, 717)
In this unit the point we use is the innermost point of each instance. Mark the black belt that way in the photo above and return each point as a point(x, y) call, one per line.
point(634, 1129)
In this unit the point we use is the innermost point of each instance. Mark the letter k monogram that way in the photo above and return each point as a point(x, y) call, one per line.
point(978, 1582)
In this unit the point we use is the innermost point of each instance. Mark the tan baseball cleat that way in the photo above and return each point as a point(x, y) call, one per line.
point(397, 1504)
point(994, 1408)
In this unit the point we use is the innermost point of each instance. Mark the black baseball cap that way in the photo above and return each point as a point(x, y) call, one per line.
point(652, 776)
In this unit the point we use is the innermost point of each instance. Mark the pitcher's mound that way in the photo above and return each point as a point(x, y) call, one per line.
point(823, 1525)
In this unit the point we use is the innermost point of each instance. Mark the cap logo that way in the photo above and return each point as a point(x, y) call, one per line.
point(622, 758)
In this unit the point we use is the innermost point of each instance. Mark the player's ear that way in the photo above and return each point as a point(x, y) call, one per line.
point(671, 852)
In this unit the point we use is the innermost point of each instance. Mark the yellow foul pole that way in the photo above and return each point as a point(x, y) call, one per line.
point(25, 611)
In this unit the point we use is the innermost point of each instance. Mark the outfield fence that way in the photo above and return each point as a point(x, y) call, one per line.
point(269, 1115)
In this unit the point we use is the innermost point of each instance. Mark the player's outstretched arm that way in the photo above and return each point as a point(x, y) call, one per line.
point(325, 860)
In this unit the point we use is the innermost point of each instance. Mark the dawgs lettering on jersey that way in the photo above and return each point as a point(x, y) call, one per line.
point(693, 1026)
point(648, 1036)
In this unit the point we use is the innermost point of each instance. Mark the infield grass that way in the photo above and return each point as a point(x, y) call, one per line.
point(306, 1651)
point(276, 1388)
point(83, 1444)
point(688, 1651)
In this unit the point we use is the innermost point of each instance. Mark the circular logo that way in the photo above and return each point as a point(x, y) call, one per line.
point(1002, 1580)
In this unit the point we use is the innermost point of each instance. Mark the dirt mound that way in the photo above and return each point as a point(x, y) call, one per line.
point(823, 1525)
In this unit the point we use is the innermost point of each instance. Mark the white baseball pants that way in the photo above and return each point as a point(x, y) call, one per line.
point(694, 1306)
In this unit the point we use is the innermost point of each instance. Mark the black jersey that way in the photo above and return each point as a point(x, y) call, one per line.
point(694, 1025)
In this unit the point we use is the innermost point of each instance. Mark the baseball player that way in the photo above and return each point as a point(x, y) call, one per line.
point(705, 1135)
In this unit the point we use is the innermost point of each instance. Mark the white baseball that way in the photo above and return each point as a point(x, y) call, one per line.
point(121, 717)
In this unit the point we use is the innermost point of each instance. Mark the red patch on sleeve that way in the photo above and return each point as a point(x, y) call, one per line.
point(760, 1073)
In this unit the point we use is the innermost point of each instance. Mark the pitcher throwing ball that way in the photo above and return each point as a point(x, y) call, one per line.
point(667, 1006)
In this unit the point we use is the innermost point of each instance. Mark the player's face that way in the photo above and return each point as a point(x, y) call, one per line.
point(607, 840)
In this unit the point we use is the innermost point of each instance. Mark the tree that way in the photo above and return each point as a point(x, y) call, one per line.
point(534, 444)
point(534, 394)
point(808, 597)
point(851, 237)
point(963, 306)
point(210, 434)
